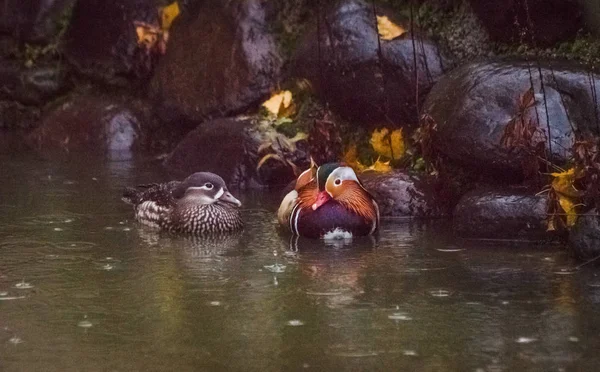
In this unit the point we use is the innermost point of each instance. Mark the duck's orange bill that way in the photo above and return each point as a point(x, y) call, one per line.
point(322, 198)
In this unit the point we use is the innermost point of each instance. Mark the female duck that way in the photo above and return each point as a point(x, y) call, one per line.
point(200, 204)
point(334, 205)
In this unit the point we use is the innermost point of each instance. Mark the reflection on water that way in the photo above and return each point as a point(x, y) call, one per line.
point(82, 287)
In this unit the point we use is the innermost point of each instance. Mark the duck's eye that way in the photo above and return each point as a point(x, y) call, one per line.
point(208, 185)
point(337, 182)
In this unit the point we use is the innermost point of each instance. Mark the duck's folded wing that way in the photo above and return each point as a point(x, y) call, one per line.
point(157, 193)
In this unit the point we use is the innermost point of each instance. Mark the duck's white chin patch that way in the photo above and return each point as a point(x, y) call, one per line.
point(337, 234)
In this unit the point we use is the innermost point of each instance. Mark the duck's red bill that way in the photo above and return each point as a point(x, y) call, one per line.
point(322, 198)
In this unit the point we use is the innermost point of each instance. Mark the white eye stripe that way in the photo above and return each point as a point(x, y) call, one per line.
point(203, 187)
point(219, 193)
point(343, 174)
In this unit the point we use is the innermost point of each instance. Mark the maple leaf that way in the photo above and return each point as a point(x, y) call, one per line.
point(350, 157)
point(380, 166)
point(388, 144)
point(147, 34)
point(387, 29)
point(278, 103)
point(167, 15)
point(566, 194)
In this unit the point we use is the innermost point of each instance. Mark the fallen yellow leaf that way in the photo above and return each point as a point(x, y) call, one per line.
point(147, 34)
point(567, 194)
point(388, 144)
point(568, 205)
point(387, 29)
point(380, 166)
point(168, 15)
point(350, 157)
point(563, 183)
point(278, 102)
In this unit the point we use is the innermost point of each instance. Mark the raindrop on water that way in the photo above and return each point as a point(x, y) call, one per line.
point(3, 293)
point(15, 340)
point(565, 272)
point(409, 352)
point(215, 303)
point(58, 229)
point(440, 293)
point(84, 323)
point(399, 316)
point(23, 285)
point(574, 339)
point(107, 267)
point(295, 323)
point(448, 250)
point(275, 268)
point(526, 340)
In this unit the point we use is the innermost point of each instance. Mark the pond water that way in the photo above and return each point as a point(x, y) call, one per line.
point(83, 287)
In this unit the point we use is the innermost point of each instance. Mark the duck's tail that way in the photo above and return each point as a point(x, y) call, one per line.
point(131, 195)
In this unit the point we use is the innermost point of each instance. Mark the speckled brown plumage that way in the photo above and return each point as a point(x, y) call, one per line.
point(187, 206)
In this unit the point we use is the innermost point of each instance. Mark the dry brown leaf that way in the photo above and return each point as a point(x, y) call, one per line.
point(264, 159)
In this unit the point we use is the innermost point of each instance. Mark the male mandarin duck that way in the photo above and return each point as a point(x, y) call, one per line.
point(200, 204)
point(289, 201)
point(334, 204)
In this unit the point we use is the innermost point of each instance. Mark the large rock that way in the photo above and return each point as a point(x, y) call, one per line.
point(584, 237)
point(541, 22)
point(341, 58)
point(14, 115)
point(232, 148)
point(30, 86)
point(101, 39)
point(92, 123)
point(512, 214)
point(591, 12)
point(24, 90)
point(33, 20)
point(219, 62)
point(401, 195)
point(473, 105)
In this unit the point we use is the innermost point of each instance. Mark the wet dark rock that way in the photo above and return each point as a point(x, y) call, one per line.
point(544, 22)
point(591, 13)
point(219, 62)
point(340, 57)
point(101, 40)
point(92, 123)
point(30, 86)
point(473, 104)
point(12, 142)
point(401, 195)
point(14, 115)
point(513, 214)
point(35, 21)
point(232, 148)
point(584, 237)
